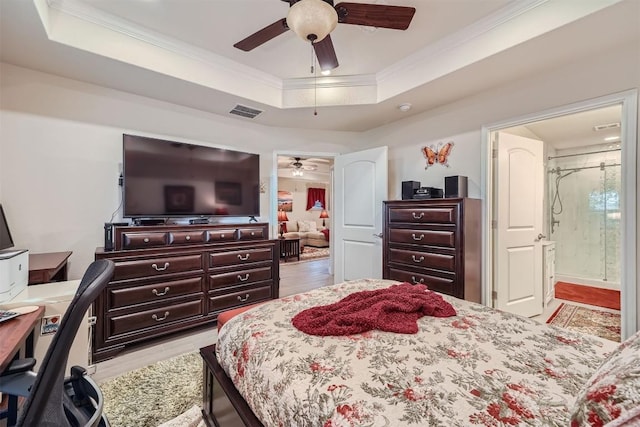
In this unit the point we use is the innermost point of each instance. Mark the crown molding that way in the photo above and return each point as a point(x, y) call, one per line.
point(466, 35)
point(324, 82)
point(518, 21)
point(121, 26)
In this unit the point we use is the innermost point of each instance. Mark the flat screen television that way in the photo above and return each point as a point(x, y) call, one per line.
point(6, 241)
point(174, 179)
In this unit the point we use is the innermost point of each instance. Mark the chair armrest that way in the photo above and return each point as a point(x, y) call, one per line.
point(20, 365)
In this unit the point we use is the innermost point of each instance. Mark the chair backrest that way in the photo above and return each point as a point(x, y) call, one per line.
point(44, 404)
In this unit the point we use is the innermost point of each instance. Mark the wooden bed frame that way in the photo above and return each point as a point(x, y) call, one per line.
point(222, 404)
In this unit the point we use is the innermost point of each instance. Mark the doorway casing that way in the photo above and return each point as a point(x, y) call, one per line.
point(629, 117)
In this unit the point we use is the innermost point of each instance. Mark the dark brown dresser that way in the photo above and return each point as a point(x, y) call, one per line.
point(172, 278)
point(436, 242)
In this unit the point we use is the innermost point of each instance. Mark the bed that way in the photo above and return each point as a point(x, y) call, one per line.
point(480, 367)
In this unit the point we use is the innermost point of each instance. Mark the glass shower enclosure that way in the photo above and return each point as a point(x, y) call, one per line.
point(583, 197)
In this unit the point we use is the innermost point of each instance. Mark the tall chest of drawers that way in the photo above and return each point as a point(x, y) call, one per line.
point(173, 278)
point(436, 242)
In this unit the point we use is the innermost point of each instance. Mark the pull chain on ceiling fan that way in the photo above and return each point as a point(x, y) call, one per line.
point(313, 20)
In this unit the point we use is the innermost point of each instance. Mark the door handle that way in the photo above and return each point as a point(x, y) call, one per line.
point(540, 237)
point(377, 235)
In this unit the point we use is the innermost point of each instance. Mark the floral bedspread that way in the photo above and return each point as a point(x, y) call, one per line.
point(481, 367)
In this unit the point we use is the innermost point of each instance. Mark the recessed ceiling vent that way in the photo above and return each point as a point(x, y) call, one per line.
point(598, 128)
point(244, 111)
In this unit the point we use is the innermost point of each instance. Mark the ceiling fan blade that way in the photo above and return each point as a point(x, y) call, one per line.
point(375, 15)
point(326, 54)
point(262, 36)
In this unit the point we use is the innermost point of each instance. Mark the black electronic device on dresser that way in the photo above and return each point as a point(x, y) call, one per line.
point(172, 278)
point(435, 242)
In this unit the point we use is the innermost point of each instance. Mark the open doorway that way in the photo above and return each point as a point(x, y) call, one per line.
point(303, 198)
point(603, 191)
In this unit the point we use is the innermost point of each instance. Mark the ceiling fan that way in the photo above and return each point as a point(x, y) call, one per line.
point(313, 20)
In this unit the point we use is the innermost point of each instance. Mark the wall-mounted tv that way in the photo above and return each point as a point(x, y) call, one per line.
point(174, 179)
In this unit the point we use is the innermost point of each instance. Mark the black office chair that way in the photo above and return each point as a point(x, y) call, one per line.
point(53, 400)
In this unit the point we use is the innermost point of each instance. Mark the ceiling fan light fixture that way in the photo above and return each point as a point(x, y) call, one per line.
point(297, 172)
point(312, 20)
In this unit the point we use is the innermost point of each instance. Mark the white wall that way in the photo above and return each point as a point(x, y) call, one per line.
point(462, 121)
point(61, 155)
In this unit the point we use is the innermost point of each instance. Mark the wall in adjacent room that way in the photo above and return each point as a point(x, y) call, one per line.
point(298, 190)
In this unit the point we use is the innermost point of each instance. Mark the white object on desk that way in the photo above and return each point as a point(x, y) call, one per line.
point(14, 273)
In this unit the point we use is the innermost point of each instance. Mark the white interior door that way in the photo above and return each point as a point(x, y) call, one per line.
point(360, 186)
point(518, 232)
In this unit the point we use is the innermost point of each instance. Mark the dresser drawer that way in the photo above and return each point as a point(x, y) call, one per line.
point(144, 240)
point(251, 234)
point(156, 266)
point(240, 256)
point(239, 277)
point(446, 262)
point(445, 238)
point(227, 235)
point(118, 325)
point(446, 284)
point(158, 291)
point(189, 237)
point(243, 296)
point(439, 215)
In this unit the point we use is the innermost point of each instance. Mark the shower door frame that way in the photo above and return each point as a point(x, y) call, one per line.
point(602, 168)
point(629, 238)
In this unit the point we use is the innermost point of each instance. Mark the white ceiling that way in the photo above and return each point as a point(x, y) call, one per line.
point(182, 52)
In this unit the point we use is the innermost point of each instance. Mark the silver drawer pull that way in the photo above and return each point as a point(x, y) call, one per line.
point(146, 240)
point(246, 257)
point(246, 297)
point(222, 236)
point(417, 216)
point(159, 294)
point(253, 234)
point(160, 319)
point(156, 268)
point(417, 238)
point(415, 282)
point(417, 259)
point(187, 238)
point(243, 279)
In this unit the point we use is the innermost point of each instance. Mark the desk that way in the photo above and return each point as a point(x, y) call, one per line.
point(15, 334)
point(48, 267)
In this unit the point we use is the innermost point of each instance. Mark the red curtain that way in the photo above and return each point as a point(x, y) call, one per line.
point(313, 195)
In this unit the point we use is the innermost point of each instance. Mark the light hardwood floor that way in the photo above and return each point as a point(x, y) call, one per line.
point(295, 277)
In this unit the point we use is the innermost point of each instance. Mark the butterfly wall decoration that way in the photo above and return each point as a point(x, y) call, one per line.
point(439, 154)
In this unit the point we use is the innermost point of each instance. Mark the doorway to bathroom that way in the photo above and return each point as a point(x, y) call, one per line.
point(588, 216)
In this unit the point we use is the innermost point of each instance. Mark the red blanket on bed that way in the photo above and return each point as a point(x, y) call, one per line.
point(393, 309)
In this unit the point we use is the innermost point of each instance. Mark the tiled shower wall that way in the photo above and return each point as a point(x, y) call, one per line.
point(587, 206)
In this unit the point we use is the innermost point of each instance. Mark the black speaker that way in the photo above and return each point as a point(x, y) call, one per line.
point(455, 186)
point(408, 188)
point(108, 236)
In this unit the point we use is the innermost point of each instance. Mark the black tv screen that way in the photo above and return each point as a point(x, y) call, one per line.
point(5, 235)
point(167, 179)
